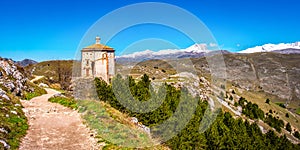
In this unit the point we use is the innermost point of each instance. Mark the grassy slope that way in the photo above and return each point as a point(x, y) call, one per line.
point(12, 120)
point(113, 127)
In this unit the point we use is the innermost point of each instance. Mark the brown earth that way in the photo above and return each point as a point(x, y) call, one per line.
point(52, 126)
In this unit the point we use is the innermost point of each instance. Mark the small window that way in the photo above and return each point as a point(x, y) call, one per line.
point(104, 55)
point(87, 62)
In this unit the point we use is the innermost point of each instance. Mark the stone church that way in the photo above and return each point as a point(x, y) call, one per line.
point(98, 60)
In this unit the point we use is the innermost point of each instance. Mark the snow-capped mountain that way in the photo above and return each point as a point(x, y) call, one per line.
point(196, 50)
point(200, 50)
point(281, 48)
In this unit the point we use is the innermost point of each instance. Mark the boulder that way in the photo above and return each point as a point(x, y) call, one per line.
point(14, 112)
point(3, 94)
point(3, 130)
point(134, 120)
point(43, 85)
point(5, 145)
point(58, 95)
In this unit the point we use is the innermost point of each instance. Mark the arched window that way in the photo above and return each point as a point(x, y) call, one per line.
point(104, 57)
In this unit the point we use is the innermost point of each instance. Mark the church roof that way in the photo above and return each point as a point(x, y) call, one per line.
point(98, 47)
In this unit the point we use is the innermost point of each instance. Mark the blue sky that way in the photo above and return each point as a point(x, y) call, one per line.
point(53, 29)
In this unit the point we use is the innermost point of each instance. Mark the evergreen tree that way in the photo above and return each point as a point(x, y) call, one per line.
point(288, 127)
point(297, 134)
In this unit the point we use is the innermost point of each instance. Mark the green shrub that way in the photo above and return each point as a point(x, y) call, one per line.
point(281, 105)
point(68, 102)
point(38, 91)
point(268, 101)
point(287, 115)
point(231, 98)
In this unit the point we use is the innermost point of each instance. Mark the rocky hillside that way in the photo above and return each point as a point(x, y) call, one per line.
point(14, 85)
point(271, 73)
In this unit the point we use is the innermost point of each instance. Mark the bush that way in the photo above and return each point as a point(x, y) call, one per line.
point(29, 96)
point(231, 98)
point(37, 91)
point(68, 102)
point(287, 115)
point(281, 105)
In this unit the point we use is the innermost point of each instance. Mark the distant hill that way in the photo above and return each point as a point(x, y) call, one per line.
point(288, 51)
point(26, 62)
point(54, 71)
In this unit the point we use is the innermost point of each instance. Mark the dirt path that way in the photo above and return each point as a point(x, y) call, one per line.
point(36, 78)
point(54, 127)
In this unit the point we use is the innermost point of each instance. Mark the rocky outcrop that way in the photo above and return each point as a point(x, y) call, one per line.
point(11, 79)
point(13, 86)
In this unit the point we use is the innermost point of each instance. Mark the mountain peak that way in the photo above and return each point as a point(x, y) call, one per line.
point(197, 48)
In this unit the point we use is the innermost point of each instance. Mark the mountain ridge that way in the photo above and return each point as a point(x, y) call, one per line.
point(200, 50)
point(272, 47)
point(194, 51)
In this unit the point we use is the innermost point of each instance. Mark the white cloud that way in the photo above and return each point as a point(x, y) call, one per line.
point(213, 45)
